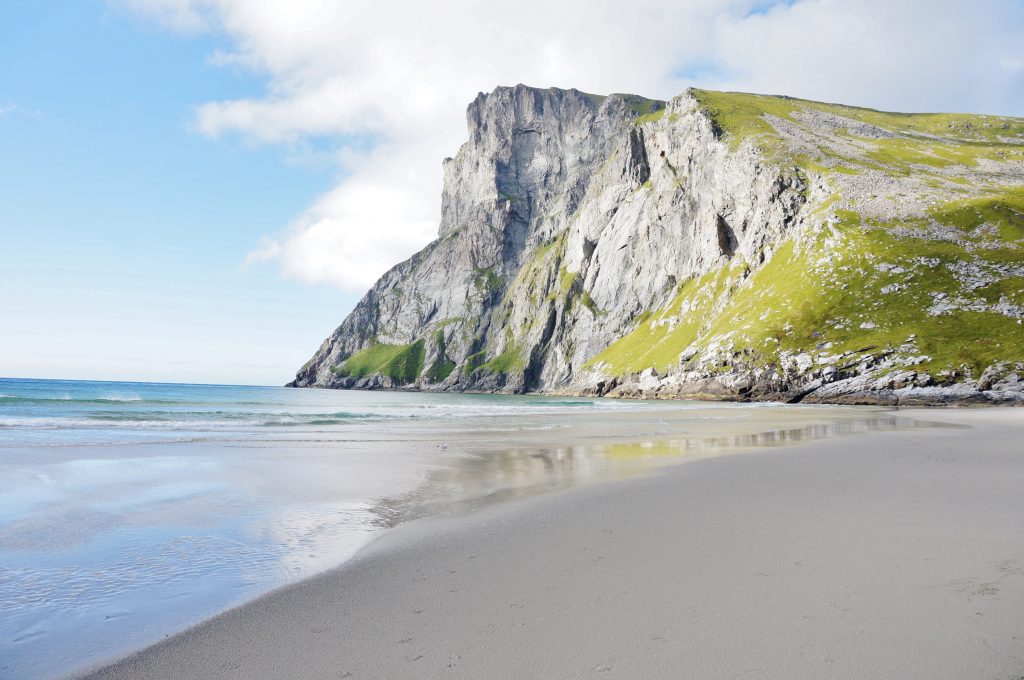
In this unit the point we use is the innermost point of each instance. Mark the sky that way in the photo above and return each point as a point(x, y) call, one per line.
point(200, 190)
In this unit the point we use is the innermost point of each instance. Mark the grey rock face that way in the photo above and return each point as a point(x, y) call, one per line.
point(564, 220)
point(555, 193)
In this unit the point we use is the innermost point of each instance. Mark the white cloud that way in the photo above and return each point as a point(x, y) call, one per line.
point(10, 108)
point(182, 15)
point(909, 55)
point(401, 74)
point(355, 232)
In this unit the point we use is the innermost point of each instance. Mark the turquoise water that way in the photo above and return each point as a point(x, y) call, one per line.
point(131, 510)
point(67, 412)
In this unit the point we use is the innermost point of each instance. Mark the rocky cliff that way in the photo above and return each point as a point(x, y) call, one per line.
point(719, 245)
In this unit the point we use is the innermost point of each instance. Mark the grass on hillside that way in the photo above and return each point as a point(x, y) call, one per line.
point(401, 363)
point(923, 140)
point(856, 288)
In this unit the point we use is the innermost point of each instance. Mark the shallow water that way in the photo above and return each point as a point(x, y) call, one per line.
point(129, 511)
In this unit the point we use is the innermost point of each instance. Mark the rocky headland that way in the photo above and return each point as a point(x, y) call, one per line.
point(715, 246)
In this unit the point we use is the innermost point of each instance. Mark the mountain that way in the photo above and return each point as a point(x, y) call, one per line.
point(719, 245)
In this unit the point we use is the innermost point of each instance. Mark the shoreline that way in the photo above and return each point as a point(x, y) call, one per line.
point(849, 392)
point(508, 602)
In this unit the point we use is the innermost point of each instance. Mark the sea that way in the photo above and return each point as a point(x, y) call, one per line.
point(129, 511)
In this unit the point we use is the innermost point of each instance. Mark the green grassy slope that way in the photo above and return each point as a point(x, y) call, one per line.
point(942, 289)
point(401, 363)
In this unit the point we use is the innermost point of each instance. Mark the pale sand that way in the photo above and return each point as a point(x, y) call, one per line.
point(885, 555)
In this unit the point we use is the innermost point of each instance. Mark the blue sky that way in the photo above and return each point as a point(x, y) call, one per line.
point(200, 190)
point(123, 231)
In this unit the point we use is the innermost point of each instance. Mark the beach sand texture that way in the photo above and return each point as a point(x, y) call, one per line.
point(893, 555)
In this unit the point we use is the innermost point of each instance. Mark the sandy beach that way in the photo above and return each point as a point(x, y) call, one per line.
point(143, 510)
point(880, 555)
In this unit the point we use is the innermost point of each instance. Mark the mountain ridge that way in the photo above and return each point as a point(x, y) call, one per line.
point(718, 245)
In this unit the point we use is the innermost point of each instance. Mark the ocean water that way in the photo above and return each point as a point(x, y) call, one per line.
point(129, 511)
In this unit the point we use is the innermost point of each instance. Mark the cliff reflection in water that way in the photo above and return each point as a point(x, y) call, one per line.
point(481, 477)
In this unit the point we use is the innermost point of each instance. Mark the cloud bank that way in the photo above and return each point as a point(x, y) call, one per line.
point(385, 85)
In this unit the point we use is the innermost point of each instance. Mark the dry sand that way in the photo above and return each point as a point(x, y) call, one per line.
point(885, 555)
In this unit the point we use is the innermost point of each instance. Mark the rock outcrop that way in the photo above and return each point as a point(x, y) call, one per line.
point(718, 245)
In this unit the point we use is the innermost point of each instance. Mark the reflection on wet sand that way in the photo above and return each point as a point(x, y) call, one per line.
point(483, 476)
point(705, 445)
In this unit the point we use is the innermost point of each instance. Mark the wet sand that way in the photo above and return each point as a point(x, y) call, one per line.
point(893, 554)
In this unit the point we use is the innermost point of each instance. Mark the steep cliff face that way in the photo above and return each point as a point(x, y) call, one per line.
point(717, 245)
